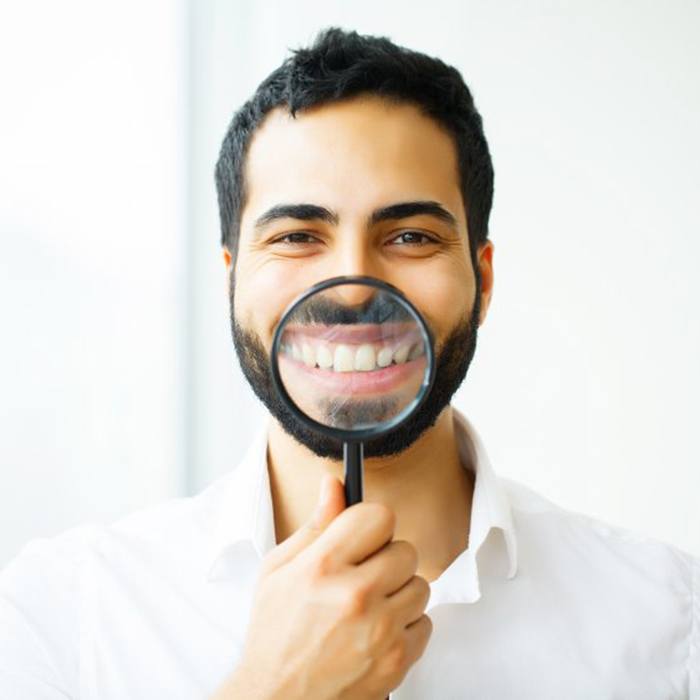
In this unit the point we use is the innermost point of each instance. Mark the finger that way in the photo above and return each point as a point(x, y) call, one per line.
point(330, 504)
point(409, 602)
point(355, 534)
point(390, 568)
point(417, 636)
point(395, 663)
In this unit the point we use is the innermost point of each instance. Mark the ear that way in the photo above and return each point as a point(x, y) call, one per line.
point(228, 259)
point(485, 263)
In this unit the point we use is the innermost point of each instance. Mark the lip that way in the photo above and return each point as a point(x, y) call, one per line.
point(378, 381)
point(355, 334)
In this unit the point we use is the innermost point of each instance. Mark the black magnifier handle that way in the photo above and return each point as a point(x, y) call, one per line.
point(353, 455)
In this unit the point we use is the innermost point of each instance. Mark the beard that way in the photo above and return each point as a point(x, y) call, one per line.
point(452, 362)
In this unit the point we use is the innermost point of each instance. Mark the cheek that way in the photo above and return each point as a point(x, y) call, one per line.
point(255, 303)
point(442, 290)
point(262, 293)
point(445, 296)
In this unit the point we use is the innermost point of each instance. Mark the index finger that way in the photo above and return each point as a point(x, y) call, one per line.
point(354, 535)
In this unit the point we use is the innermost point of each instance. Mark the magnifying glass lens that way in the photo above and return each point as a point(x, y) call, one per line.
point(352, 357)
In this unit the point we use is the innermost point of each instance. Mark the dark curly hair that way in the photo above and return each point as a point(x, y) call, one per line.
point(342, 64)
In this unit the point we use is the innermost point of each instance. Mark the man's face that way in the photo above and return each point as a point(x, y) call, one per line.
point(353, 159)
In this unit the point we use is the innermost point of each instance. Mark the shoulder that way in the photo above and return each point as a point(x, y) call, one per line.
point(58, 559)
point(640, 579)
point(44, 588)
point(176, 524)
point(47, 571)
point(40, 611)
point(48, 559)
point(545, 528)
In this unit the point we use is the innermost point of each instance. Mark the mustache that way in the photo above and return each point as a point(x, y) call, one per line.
point(375, 310)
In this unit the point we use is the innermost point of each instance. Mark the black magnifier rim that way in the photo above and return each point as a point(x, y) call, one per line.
point(382, 428)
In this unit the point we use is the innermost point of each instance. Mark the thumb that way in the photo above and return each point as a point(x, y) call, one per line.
point(330, 503)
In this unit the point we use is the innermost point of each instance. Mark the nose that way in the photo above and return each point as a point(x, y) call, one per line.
point(356, 254)
point(353, 294)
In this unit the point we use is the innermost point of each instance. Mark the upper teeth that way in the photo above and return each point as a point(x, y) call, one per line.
point(346, 358)
point(343, 359)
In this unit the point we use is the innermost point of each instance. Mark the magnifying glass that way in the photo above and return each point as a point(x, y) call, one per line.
point(353, 359)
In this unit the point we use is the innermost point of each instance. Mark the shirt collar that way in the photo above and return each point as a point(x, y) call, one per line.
point(240, 508)
point(491, 512)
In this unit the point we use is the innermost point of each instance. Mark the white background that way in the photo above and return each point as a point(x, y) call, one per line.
point(118, 380)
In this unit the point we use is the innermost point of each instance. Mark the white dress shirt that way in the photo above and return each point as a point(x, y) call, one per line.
point(544, 603)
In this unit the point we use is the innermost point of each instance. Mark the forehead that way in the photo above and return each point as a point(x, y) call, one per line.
point(351, 156)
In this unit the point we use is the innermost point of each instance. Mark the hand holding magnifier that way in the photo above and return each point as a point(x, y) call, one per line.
point(352, 358)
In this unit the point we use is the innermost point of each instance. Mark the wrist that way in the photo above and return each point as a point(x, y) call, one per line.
point(245, 684)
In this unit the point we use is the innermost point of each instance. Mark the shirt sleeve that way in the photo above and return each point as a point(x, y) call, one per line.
point(40, 618)
point(694, 655)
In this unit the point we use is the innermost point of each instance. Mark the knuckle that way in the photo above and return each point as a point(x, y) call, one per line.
point(423, 588)
point(385, 516)
point(397, 658)
point(411, 554)
point(382, 631)
point(427, 627)
point(428, 634)
point(355, 602)
point(321, 566)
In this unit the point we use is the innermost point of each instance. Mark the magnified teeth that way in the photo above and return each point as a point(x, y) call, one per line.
point(324, 357)
point(416, 351)
point(401, 354)
point(364, 358)
point(384, 357)
point(308, 355)
point(343, 359)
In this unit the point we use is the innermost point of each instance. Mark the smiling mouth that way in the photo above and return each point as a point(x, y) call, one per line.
point(351, 349)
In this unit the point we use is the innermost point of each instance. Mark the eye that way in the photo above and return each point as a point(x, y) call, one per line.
point(412, 238)
point(295, 238)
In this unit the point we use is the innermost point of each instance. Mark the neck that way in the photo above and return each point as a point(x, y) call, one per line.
point(426, 485)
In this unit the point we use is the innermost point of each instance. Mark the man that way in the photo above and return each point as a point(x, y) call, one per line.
point(355, 157)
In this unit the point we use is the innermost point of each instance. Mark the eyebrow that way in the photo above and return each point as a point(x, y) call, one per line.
point(313, 212)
